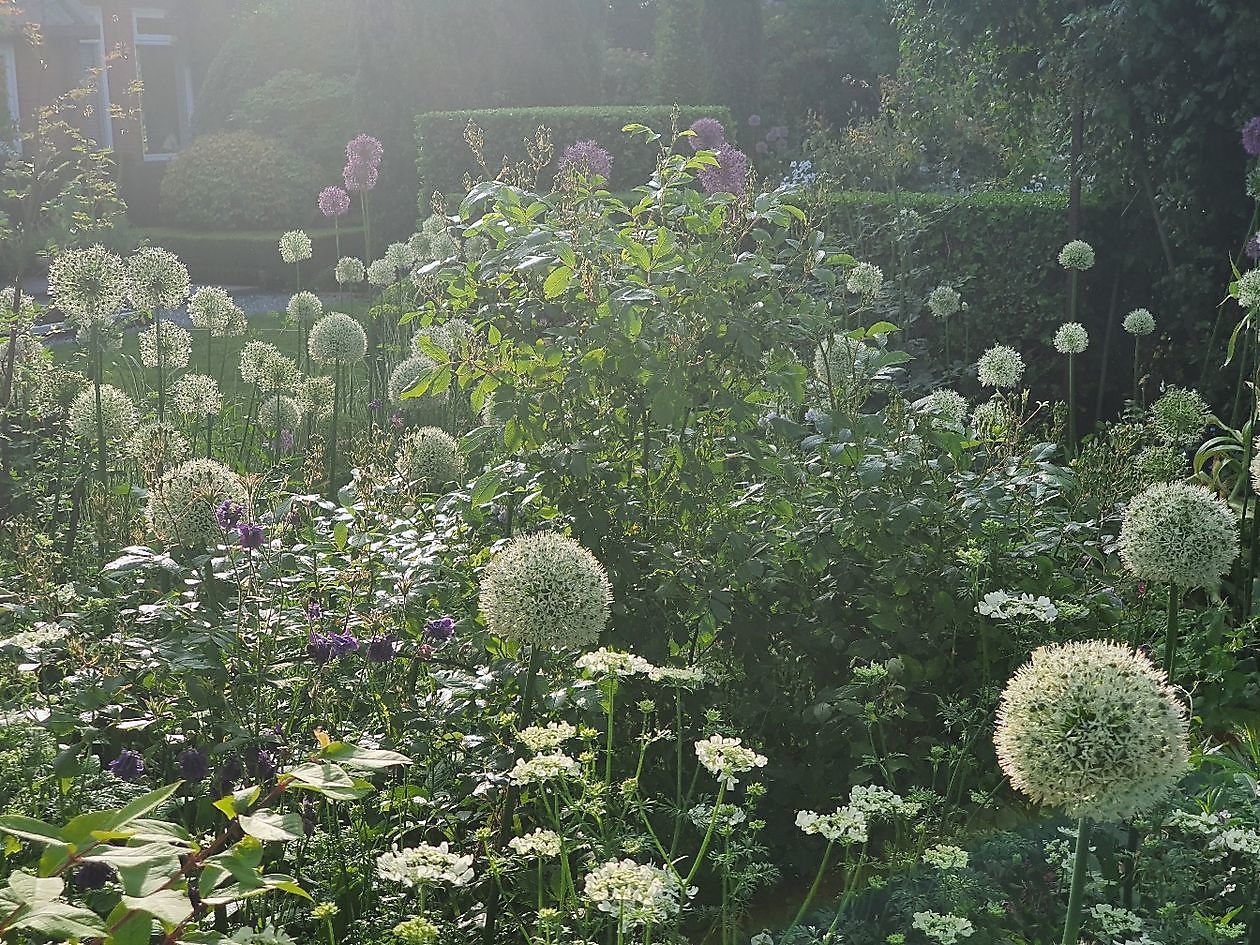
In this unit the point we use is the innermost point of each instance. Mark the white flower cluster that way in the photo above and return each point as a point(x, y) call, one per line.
point(1248, 291)
point(88, 285)
point(1203, 823)
point(1077, 255)
point(381, 273)
point(425, 865)
point(1139, 322)
point(1001, 367)
point(41, 636)
point(212, 309)
point(295, 246)
point(552, 766)
point(337, 339)
point(182, 504)
point(875, 801)
point(1174, 533)
point(543, 844)
point(1071, 338)
point(430, 459)
point(118, 414)
point(681, 677)
point(304, 308)
point(844, 825)
point(635, 894)
point(1002, 605)
point(279, 413)
point(175, 349)
point(196, 395)
point(946, 857)
point(845, 364)
point(726, 757)
point(546, 738)
point(156, 279)
point(1179, 416)
point(865, 280)
point(1092, 727)
point(946, 405)
point(606, 662)
point(315, 397)
point(400, 255)
point(944, 301)
point(1114, 922)
point(155, 446)
point(1242, 840)
point(349, 270)
point(729, 816)
point(944, 929)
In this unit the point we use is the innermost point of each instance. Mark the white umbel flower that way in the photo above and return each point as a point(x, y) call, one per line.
point(1139, 322)
point(1001, 367)
point(1077, 255)
point(1248, 289)
point(156, 280)
point(304, 308)
point(865, 280)
point(429, 458)
point(727, 757)
point(295, 247)
point(546, 738)
point(606, 662)
point(196, 395)
point(183, 502)
point(382, 273)
point(337, 338)
point(632, 893)
point(944, 301)
point(118, 414)
point(542, 844)
point(88, 285)
point(549, 766)
point(349, 271)
point(211, 308)
point(425, 865)
point(175, 349)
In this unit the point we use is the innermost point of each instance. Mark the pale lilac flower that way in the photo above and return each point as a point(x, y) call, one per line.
point(1251, 136)
point(731, 174)
point(333, 202)
point(364, 149)
point(709, 135)
point(359, 177)
point(587, 157)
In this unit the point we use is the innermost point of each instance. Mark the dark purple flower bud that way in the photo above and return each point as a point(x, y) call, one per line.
point(260, 763)
point(440, 630)
point(380, 650)
point(395, 419)
point(319, 647)
point(194, 764)
point(251, 536)
point(308, 817)
point(709, 134)
point(1251, 136)
point(93, 875)
point(129, 765)
point(375, 404)
point(343, 643)
point(313, 610)
point(228, 514)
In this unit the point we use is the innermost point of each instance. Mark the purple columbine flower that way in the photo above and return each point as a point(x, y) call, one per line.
point(194, 764)
point(731, 174)
point(709, 134)
point(1251, 136)
point(229, 773)
point(93, 875)
point(319, 647)
point(129, 765)
point(381, 649)
point(260, 763)
point(343, 643)
point(1253, 247)
point(395, 419)
point(251, 535)
point(359, 177)
point(587, 157)
point(333, 202)
point(313, 610)
point(228, 514)
point(441, 629)
point(364, 149)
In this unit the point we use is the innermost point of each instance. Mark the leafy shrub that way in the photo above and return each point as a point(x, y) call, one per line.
point(312, 114)
point(239, 179)
point(234, 258)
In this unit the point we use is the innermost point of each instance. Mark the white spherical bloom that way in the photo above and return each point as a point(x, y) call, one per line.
point(548, 766)
point(1077, 255)
point(349, 271)
point(1248, 290)
point(845, 363)
point(944, 301)
point(251, 355)
point(118, 414)
point(404, 377)
point(1179, 534)
point(429, 458)
point(681, 677)
point(1180, 416)
point(304, 308)
point(196, 395)
point(846, 825)
point(175, 350)
point(337, 338)
point(1001, 366)
point(944, 929)
point(606, 662)
point(211, 308)
point(544, 844)
point(182, 504)
point(726, 757)
point(546, 738)
point(633, 893)
point(157, 445)
point(315, 397)
point(1139, 322)
point(1094, 728)
point(946, 857)
point(865, 280)
point(1071, 338)
point(295, 246)
point(400, 256)
point(546, 590)
point(264, 366)
point(946, 405)
point(382, 273)
point(88, 285)
point(156, 279)
point(425, 865)
point(286, 408)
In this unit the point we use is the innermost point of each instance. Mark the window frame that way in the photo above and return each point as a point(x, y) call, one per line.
point(183, 84)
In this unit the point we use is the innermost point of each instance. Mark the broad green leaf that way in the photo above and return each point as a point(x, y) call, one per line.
point(272, 825)
point(165, 905)
point(35, 890)
point(369, 759)
point(486, 488)
point(240, 800)
point(59, 920)
point(142, 869)
point(558, 282)
point(145, 804)
point(28, 828)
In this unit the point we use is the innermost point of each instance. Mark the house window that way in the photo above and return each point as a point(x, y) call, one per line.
point(164, 96)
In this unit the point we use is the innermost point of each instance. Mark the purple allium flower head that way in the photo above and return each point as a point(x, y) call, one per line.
point(395, 419)
point(286, 441)
point(194, 764)
point(441, 629)
point(260, 763)
point(1253, 247)
point(375, 404)
point(709, 134)
point(587, 157)
point(731, 174)
point(343, 643)
point(754, 121)
point(359, 177)
point(93, 875)
point(380, 649)
point(129, 765)
point(364, 149)
point(1251, 136)
point(228, 514)
point(333, 202)
point(319, 647)
point(251, 535)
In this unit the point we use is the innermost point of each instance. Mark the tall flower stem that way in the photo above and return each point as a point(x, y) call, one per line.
point(813, 889)
point(708, 836)
point(367, 227)
point(611, 693)
point(1170, 641)
point(97, 379)
point(1137, 371)
point(1072, 925)
point(161, 364)
point(1071, 417)
point(332, 435)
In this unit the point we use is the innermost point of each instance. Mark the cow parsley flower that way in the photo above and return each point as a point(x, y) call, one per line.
point(295, 247)
point(635, 894)
point(944, 929)
point(606, 662)
point(1094, 728)
point(210, 308)
point(1179, 534)
point(175, 350)
point(946, 857)
point(337, 339)
point(429, 458)
point(546, 738)
point(1180, 416)
point(304, 308)
point(1077, 255)
point(876, 801)
point(681, 677)
point(156, 279)
point(88, 285)
point(183, 503)
point(349, 271)
point(543, 844)
point(944, 301)
point(425, 865)
point(196, 395)
point(1001, 367)
point(548, 766)
point(1001, 605)
point(1139, 322)
point(1071, 338)
point(865, 280)
point(845, 825)
point(724, 758)
point(546, 590)
point(118, 414)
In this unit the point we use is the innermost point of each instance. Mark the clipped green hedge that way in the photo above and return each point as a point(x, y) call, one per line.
point(252, 258)
point(444, 157)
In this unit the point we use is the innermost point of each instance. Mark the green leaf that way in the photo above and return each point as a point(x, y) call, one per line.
point(272, 825)
point(486, 488)
point(238, 801)
point(341, 535)
point(558, 282)
point(143, 869)
point(370, 759)
point(59, 920)
point(35, 890)
point(145, 804)
point(165, 905)
point(28, 828)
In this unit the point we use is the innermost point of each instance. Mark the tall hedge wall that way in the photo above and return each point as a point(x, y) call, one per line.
point(444, 157)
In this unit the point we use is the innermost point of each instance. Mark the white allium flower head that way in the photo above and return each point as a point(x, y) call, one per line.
point(117, 411)
point(544, 767)
point(315, 397)
point(845, 363)
point(429, 458)
point(451, 336)
point(381, 273)
point(400, 256)
point(1162, 464)
point(1174, 533)
point(337, 338)
point(724, 758)
point(404, 377)
point(945, 405)
point(305, 307)
point(546, 738)
point(1094, 728)
point(156, 279)
point(284, 407)
point(295, 247)
point(865, 280)
point(1001, 367)
point(1139, 322)
point(155, 445)
point(606, 662)
point(543, 844)
point(1071, 338)
point(1248, 292)
point(546, 590)
point(944, 301)
point(264, 366)
point(425, 865)
point(196, 395)
point(175, 350)
point(349, 270)
point(88, 285)
point(635, 894)
point(183, 502)
point(211, 308)
point(1180, 416)
point(252, 355)
point(1077, 255)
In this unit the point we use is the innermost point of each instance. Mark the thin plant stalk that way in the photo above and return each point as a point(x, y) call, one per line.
point(332, 435)
point(1071, 417)
point(813, 889)
point(1072, 925)
point(1137, 371)
point(1170, 641)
